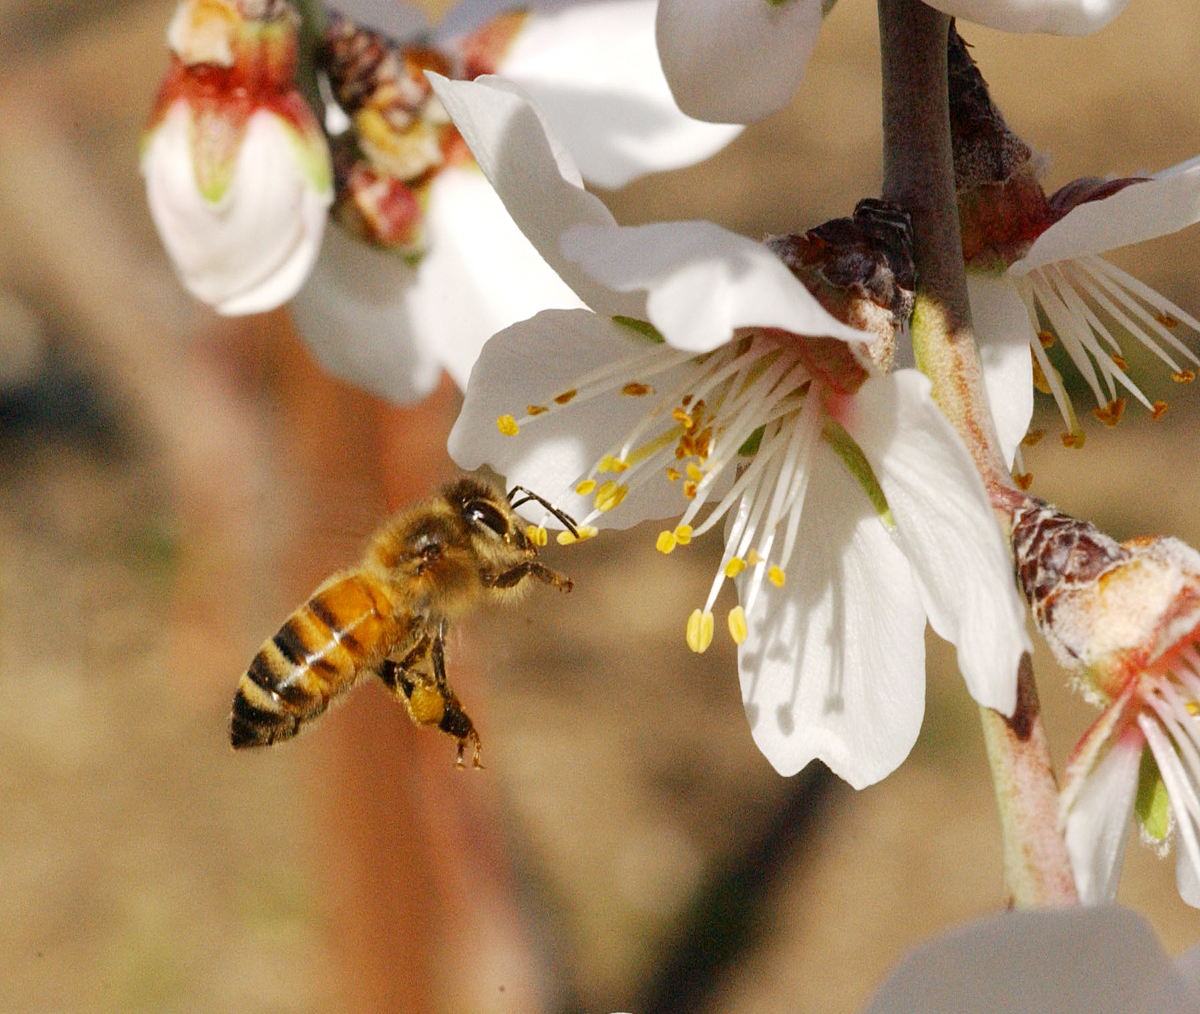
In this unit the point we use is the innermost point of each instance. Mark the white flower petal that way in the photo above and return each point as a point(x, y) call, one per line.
point(1187, 877)
point(834, 664)
point(736, 61)
point(1050, 17)
point(251, 250)
point(534, 176)
point(480, 274)
point(593, 70)
point(1051, 961)
point(947, 530)
point(532, 362)
point(353, 313)
point(1164, 204)
point(703, 281)
point(1097, 824)
point(1004, 332)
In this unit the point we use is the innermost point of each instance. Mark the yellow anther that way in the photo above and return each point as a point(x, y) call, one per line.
point(1159, 410)
point(752, 558)
point(673, 475)
point(1184, 376)
point(776, 576)
point(535, 409)
point(694, 472)
point(683, 534)
point(737, 624)
point(566, 396)
point(1046, 338)
point(699, 631)
point(1192, 708)
point(1023, 479)
point(687, 400)
point(585, 532)
point(1074, 439)
point(735, 566)
point(1167, 321)
point(1033, 438)
point(1120, 362)
point(508, 426)
point(609, 495)
point(536, 534)
point(1039, 378)
point(585, 487)
point(636, 390)
point(689, 490)
point(1111, 413)
point(702, 443)
point(666, 542)
point(610, 464)
point(681, 417)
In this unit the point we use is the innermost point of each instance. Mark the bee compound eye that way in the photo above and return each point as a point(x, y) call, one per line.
point(480, 512)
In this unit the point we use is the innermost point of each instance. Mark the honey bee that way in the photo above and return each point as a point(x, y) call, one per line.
point(389, 616)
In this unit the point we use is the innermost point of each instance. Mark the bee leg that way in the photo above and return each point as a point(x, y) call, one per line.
point(455, 722)
point(530, 568)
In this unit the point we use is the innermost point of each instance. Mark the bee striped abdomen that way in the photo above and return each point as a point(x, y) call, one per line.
point(320, 650)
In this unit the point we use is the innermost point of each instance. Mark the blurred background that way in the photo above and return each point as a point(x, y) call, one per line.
point(173, 484)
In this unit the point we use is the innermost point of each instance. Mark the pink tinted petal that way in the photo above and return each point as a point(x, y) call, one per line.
point(1050, 17)
point(702, 281)
point(1004, 332)
point(736, 61)
point(947, 530)
point(1164, 204)
point(1053, 961)
point(593, 70)
point(534, 175)
point(833, 667)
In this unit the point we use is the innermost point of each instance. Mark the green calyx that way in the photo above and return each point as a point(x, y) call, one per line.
point(1153, 807)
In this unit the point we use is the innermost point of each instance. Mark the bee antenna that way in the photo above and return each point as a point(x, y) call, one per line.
point(562, 516)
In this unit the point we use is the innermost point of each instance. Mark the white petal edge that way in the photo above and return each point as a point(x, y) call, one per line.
point(353, 314)
point(702, 281)
point(530, 363)
point(833, 667)
point(1049, 17)
point(1098, 822)
point(1102, 960)
point(735, 61)
point(1004, 332)
point(534, 175)
point(1165, 203)
point(593, 70)
point(947, 530)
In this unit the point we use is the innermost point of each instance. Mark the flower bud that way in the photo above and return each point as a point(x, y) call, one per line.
point(238, 175)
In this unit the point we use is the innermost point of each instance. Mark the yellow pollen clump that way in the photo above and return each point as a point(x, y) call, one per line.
point(699, 631)
point(1023, 479)
point(1073, 439)
point(737, 624)
point(1192, 707)
point(566, 396)
point(752, 557)
point(1120, 361)
point(683, 534)
point(508, 426)
point(609, 495)
point(536, 534)
point(693, 472)
point(1159, 410)
point(535, 409)
point(689, 490)
point(673, 475)
point(1046, 338)
point(585, 487)
point(610, 464)
point(1111, 414)
point(680, 416)
point(1184, 376)
point(665, 542)
point(1167, 321)
point(585, 532)
point(735, 566)
point(1033, 438)
point(776, 576)
point(635, 390)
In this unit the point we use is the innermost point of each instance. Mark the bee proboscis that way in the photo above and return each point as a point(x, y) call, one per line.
point(389, 616)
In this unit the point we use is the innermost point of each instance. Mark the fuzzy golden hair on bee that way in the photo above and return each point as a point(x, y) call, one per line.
point(430, 564)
